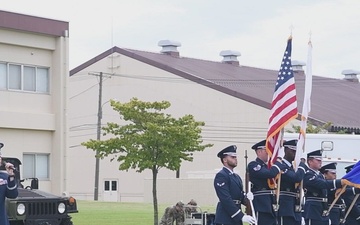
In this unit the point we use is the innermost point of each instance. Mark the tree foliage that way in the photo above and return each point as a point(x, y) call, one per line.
point(311, 129)
point(150, 139)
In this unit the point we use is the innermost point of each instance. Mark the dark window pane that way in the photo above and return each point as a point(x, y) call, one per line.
point(113, 185)
point(107, 185)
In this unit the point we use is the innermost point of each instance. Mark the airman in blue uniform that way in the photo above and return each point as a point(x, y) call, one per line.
point(8, 187)
point(230, 191)
point(264, 202)
point(337, 212)
point(290, 193)
point(353, 217)
point(316, 190)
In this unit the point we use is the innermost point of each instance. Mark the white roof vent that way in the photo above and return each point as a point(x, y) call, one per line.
point(297, 66)
point(351, 75)
point(230, 57)
point(169, 47)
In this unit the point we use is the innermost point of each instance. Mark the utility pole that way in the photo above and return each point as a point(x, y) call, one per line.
point(97, 162)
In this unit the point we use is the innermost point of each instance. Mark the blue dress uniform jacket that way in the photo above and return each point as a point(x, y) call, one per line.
point(263, 196)
point(8, 189)
point(229, 189)
point(289, 202)
point(354, 216)
point(316, 193)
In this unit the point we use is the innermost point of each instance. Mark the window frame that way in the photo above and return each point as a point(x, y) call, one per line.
point(34, 173)
point(40, 81)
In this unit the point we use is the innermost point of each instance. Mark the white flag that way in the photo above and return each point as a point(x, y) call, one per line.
point(300, 148)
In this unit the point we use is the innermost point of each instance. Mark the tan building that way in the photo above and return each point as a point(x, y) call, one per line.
point(233, 100)
point(33, 98)
point(45, 118)
point(229, 120)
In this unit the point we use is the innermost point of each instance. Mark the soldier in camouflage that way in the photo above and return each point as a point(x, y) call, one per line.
point(191, 207)
point(173, 214)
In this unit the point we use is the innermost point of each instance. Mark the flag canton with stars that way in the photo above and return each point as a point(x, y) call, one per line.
point(286, 71)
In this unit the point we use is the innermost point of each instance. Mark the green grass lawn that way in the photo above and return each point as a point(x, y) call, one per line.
point(119, 213)
point(116, 213)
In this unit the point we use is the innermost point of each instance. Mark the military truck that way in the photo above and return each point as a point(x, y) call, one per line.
point(340, 148)
point(36, 207)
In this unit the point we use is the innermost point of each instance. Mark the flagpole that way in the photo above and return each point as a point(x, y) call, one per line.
point(306, 108)
point(336, 198)
point(350, 207)
point(251, 201)
point(279, 175)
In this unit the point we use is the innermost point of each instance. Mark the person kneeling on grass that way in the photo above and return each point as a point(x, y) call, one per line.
point(173, 214)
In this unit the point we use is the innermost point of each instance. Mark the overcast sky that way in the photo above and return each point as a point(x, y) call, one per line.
point(257, 29)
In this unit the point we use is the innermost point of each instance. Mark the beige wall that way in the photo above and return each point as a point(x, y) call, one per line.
point(33, 122)
point(228, 121)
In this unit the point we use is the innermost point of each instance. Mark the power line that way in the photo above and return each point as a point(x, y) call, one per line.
point(89, 88)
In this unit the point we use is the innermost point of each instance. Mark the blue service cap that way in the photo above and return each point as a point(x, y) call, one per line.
point(331, 167)
point(317, 154)
point(230, 150)
point(291, 144)
point(349, 168)
point(259, 145)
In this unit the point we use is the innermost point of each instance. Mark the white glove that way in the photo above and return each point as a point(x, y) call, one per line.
point(248, 219)
point(302, 221)
point(329, 221)
point(250, 196)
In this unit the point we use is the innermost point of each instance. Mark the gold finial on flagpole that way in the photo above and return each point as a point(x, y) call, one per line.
point(291, 30)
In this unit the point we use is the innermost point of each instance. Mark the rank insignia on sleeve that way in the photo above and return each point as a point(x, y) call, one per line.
point(220, 184)
point(257, 168)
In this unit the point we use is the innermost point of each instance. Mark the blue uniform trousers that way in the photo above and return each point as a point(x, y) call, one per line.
point(288, 220)
point(265, 218)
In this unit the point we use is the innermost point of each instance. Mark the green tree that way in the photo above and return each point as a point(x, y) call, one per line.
point(149, 140)
point(311, 129)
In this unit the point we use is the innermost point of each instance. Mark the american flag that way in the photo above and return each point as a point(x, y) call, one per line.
point(283, 106)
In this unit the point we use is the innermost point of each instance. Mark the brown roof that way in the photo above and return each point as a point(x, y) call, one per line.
point(333, 100)
point(16, 21)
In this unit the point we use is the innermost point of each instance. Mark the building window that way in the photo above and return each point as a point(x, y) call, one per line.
point(24, 78)
point(36, 166)
point(29, 78)
point(110, 185)
point(3, 80)
point(14, 75)
point(42, 80)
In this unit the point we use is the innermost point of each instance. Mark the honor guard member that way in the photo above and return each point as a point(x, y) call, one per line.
point(229, 189)
point(353, 217)
point(264, 197)
point(316, 190)
point(337, 213)
point(289, 203)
